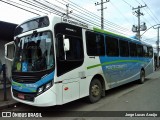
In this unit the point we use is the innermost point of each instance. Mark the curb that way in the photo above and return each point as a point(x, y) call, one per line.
point(8, 105)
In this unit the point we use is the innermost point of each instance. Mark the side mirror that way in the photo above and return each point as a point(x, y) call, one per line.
point(9, 51)
point(66, 44)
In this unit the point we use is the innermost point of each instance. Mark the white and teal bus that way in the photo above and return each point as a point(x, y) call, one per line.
point(59, 60)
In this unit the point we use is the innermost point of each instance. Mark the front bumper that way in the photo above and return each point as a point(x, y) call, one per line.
point(48, 98)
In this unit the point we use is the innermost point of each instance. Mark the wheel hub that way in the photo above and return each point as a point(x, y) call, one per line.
point(95, 90)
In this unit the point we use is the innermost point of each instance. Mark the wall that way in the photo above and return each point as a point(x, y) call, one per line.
point(2, 50)
point(4, 61)
point(6, 35)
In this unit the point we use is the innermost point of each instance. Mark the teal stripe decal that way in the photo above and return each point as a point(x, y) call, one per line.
point(115, 62)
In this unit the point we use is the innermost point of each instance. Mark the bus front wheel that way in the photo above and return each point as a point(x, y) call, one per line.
point(142, 77)
point(95, 91)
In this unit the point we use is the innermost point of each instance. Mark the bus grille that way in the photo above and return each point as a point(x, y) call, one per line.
point(27, 96)
point(25, 79)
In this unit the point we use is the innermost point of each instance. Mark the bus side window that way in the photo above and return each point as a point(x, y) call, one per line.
point(112, 46)
point(139, 50)
point(76, 49)
point(124, 51)
point(145, 51)
point(133, 50)
point(150, 51)
point(95, 44)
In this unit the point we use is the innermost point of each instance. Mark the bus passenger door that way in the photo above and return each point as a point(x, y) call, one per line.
point(70, 57)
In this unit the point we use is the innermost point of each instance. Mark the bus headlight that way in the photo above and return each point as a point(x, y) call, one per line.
point(48, 85)
point(44, 87)
point(40, 90)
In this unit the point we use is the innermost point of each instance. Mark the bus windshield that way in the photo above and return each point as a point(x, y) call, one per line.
point(34, 53)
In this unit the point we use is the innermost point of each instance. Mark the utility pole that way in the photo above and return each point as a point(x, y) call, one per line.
point(67, 11)
point(102, 8)
point(157, 45)
point(138, 14)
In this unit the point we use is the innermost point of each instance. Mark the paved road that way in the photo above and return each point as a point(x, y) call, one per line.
point(129, 97)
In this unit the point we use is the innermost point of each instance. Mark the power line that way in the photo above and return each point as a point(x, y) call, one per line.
point(129, 6)
point(85, 14)
point(33, 4)
point(143, 1)
point(119, 11)
point(147, 21)
point(40, 6)
point(86, 19)
point(138, 28)
point(26, 6)
point(49, 7)
point(96, 19)
point(151, 38)
point(151, 16)
point(92, 14)
point(19, 7)
point(154, 17)
point(127, 3)
point(102, 13)
point(152, 12)
point(138, 2)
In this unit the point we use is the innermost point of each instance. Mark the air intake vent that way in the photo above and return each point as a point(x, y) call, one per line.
point(25, 79)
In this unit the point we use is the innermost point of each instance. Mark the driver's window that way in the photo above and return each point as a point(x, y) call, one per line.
point(76, 48)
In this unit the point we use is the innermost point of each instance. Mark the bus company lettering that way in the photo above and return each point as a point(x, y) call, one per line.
point(116, 67)
point(75, 23)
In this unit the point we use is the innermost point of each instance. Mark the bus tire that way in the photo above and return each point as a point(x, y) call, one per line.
point(95, 91)
point(142, 77)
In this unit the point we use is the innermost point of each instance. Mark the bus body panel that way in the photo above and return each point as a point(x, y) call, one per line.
point(70, 91)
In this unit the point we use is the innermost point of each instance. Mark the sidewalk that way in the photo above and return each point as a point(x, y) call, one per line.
point(154, 75)
point(10, 102)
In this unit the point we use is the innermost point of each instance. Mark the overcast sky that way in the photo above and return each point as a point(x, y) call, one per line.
point(118, 11)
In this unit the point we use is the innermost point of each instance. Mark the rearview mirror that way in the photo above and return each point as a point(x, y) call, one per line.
point(9, 51)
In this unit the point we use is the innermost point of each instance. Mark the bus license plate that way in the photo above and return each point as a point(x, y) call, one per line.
point(21, 96)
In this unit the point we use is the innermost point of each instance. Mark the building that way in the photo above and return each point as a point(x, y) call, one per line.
point(6, 35)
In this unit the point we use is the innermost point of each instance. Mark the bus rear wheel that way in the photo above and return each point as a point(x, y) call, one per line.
point(142, 77)
point(95, 91)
